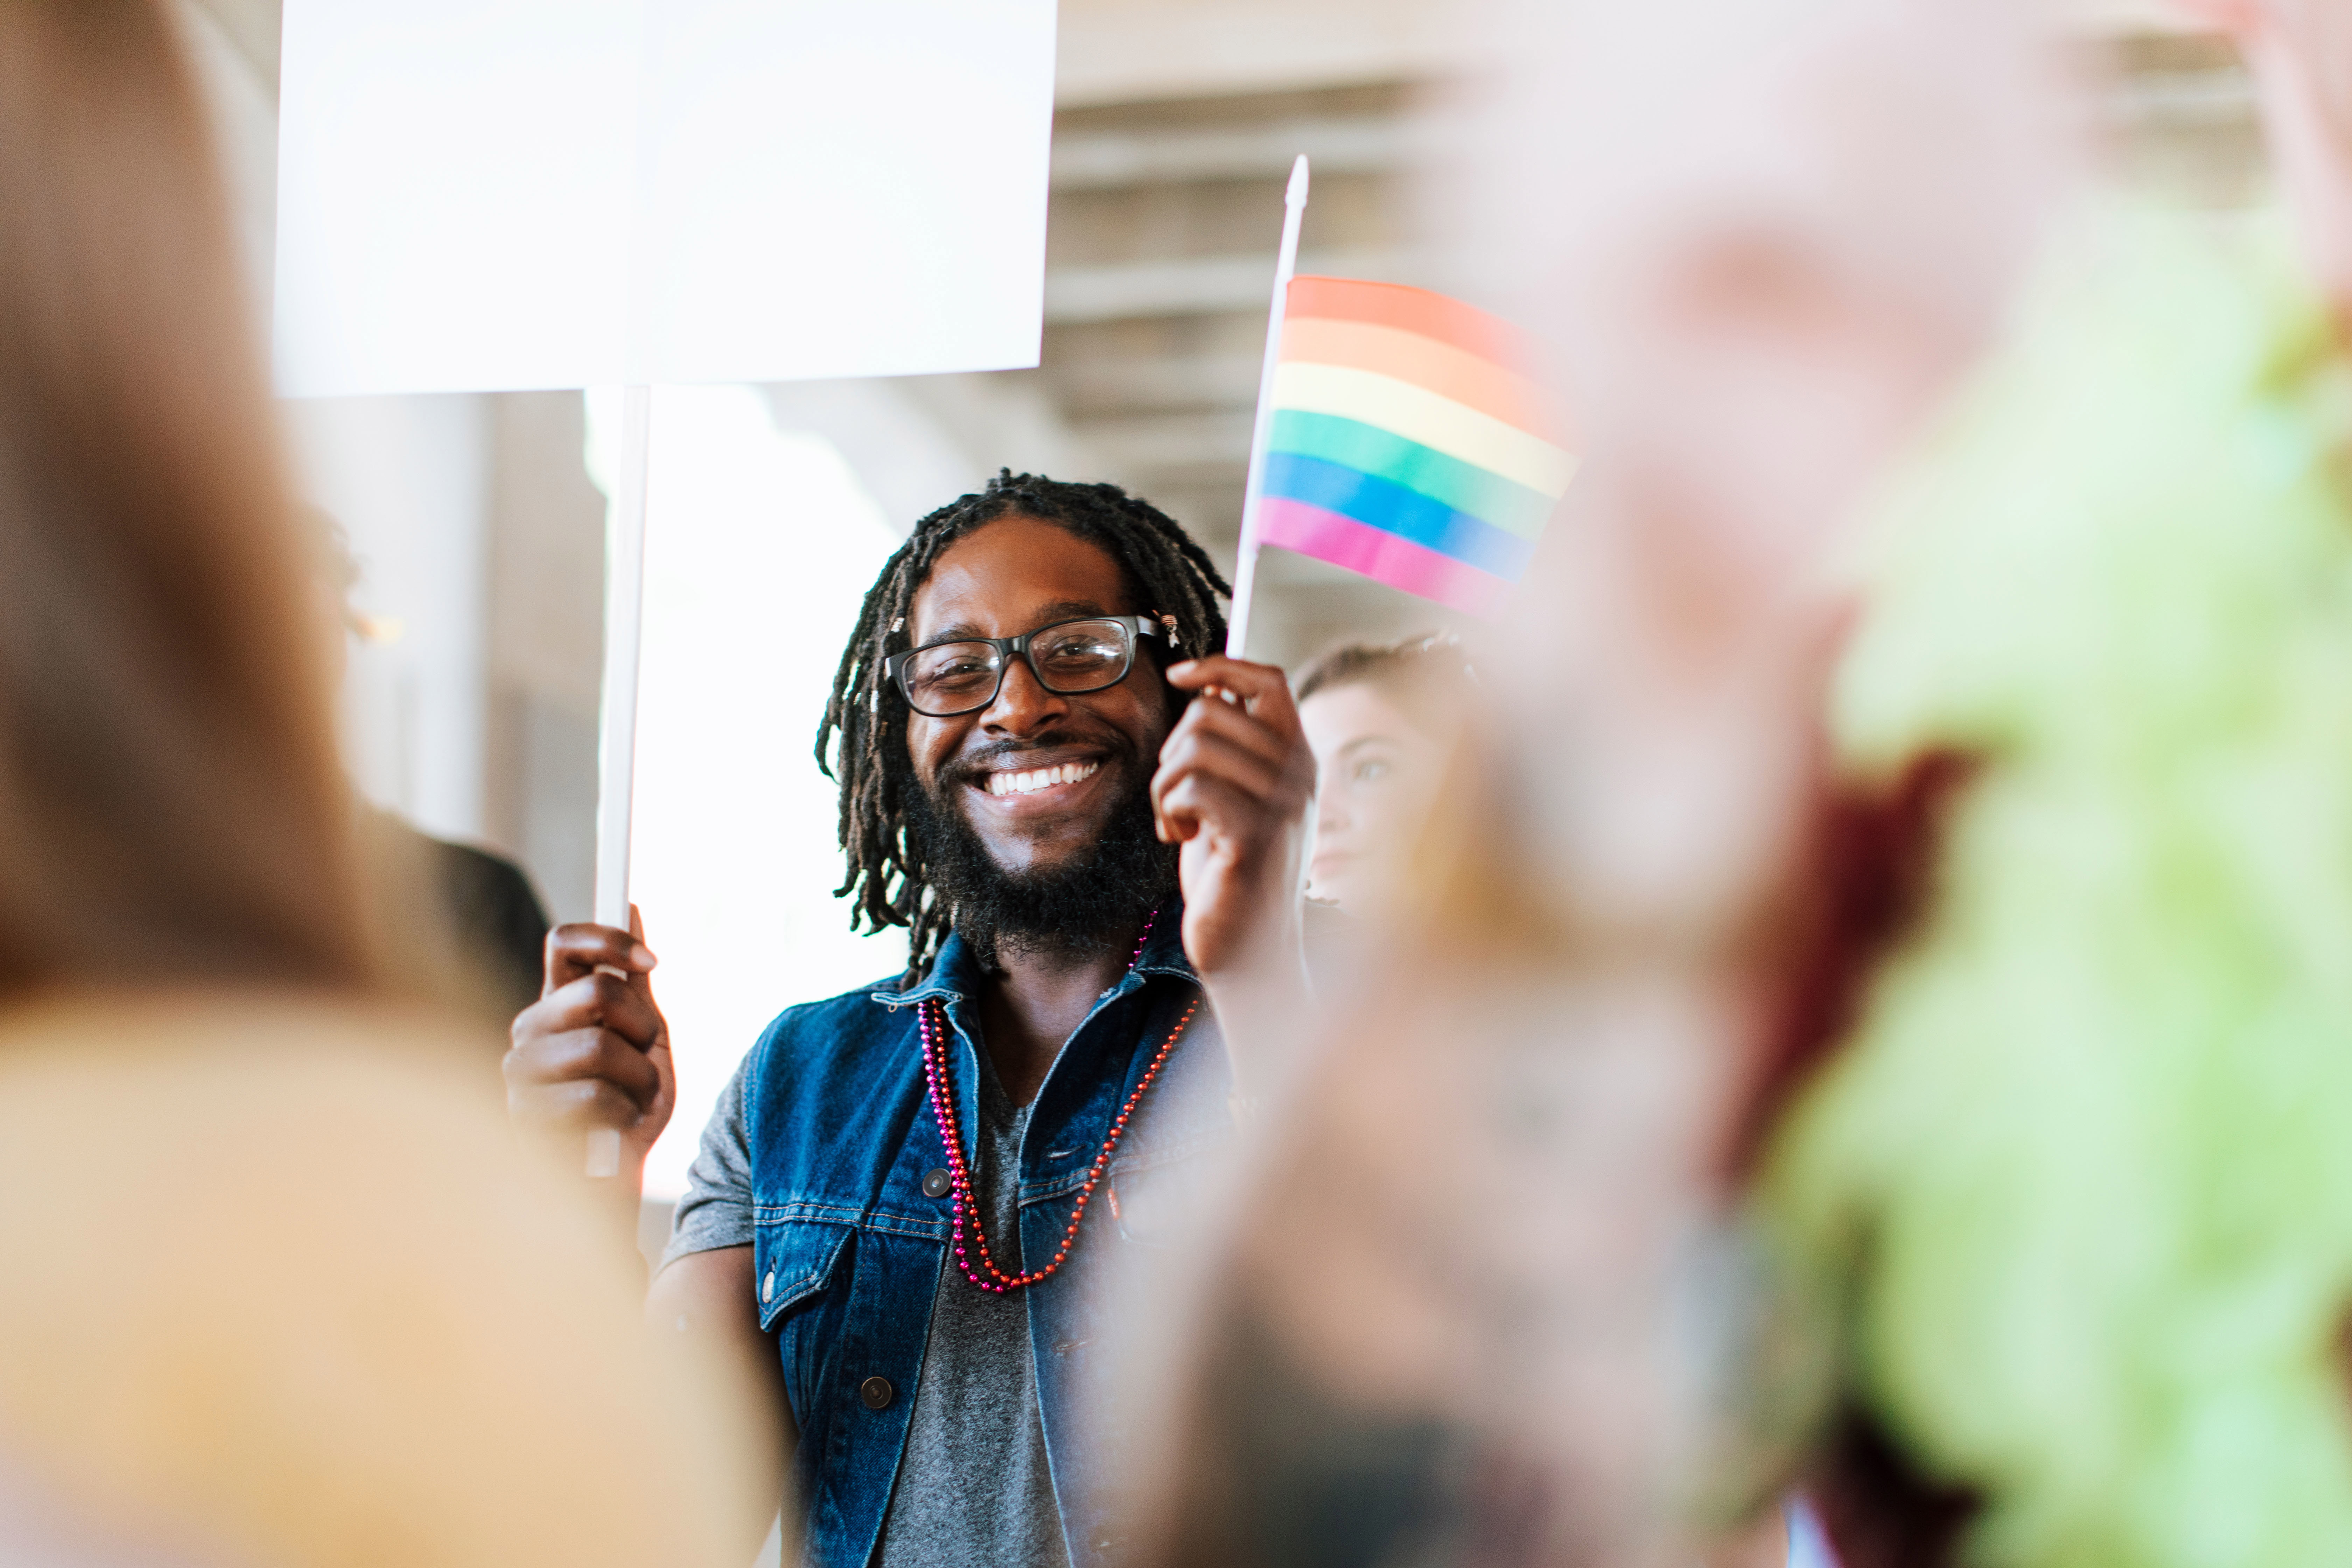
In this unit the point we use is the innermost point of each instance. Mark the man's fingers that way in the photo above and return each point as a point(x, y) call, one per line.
point(593, 1051)
point(1200, 800)
point(587, 1054)
point(1200, 752)
point(592, 999)
point(573, 951)
point(1253, 751)
point(568, 1007)
point(1238, 726)
point(1258, 685)
point(575, 1106)
point(624, 1007)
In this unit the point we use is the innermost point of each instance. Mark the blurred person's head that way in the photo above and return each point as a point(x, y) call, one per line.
point(1025, 820)
point(1773, 237)
point(1380, 719)
point(170, 809)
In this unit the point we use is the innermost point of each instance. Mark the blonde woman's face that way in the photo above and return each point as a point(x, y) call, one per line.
point(1378, 777)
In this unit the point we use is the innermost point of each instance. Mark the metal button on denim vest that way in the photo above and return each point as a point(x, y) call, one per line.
point(853, 1225)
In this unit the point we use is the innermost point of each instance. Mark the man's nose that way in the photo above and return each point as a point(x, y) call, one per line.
point(1023, 705)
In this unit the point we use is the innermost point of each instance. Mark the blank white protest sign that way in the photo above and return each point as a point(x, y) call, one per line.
point(499, 195)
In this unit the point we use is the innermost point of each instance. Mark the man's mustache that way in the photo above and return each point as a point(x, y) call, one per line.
point(990, 757)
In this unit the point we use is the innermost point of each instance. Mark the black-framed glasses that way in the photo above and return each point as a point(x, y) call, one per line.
point(943, 679)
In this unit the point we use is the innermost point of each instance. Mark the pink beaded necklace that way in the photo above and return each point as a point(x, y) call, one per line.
point(932, 1020)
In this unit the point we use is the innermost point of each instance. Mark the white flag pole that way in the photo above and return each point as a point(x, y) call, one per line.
point(1293, 204)
point(616, 731)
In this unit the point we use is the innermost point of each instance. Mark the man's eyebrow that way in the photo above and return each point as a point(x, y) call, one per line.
point(1067, 610)
point(1060, 610)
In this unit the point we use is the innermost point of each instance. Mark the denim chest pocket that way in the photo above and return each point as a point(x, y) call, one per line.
point(794, 1261)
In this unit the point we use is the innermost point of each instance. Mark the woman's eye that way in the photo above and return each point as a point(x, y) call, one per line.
point(1372, 770)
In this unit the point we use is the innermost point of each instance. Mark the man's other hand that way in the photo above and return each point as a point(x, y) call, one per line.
point(593, 1050)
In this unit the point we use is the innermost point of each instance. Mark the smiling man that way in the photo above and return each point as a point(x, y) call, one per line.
point(910, 1201)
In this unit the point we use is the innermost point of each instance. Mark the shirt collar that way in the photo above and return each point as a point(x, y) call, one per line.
point(955, 974)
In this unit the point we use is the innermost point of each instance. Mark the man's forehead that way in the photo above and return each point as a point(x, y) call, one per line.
point(1012, 575)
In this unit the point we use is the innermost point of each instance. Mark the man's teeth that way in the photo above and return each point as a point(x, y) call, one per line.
point(1040, 778)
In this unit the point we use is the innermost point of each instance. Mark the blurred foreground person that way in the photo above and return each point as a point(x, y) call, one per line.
point(2077, 1183)
point(276, 1293)
point(1485, 1299)
point(36, 1533)
point(1382, 722)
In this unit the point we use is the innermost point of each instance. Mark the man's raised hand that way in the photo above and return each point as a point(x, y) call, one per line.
point(1237, 789)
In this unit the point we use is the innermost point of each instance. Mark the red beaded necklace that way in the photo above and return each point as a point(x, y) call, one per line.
point(932, 1019)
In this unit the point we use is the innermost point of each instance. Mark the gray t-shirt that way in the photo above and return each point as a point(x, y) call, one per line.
point(973, 1491)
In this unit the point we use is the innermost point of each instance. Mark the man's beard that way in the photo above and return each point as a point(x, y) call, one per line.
point(1085, 905)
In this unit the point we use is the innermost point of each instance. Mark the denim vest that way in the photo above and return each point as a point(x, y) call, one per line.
point(849, 1250)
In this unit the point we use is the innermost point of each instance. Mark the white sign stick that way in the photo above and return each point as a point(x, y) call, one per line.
point(624, 607)
point(616, 727)
point(1294, 206)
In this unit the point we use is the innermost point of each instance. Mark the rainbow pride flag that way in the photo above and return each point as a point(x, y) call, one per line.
point(1409, 442)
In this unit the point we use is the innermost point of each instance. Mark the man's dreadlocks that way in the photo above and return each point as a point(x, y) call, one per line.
point(1170, 575)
